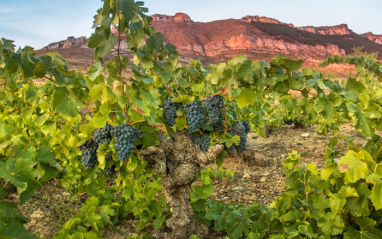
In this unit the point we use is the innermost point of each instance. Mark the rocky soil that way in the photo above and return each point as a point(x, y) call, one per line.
point(260, 180)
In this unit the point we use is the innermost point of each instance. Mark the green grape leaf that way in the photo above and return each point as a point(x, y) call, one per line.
point(128, 9)
point(16, 230)
point(358, 206)
point(96, 91)
point(297, 84)
point(21, 174)
point(327, 109)
point(365, 125)
point(216, 211)
point(327, 171)
point(149, 139)
point(353, 167)
point(155, 42)
point(367, 230)
point(306, 229)
point(45, 155)
point(333, 224)
point(158, 222)
point(63, 103)
point(347, 192)
point(245, 98)
point(245, 69)
point(352, 85)
point(376, 196)
point(237, 60)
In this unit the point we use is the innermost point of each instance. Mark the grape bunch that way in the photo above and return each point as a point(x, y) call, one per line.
point(203, 141)
point(247, 128)
point(213, 105)
point(169, 111)
point(194, 116)
point(125, 136)
point(229, 149)
point(102, 135)
point(234, 116)
point(239, 129)
point(89, 153)
point(288, 121)
point(110, 170)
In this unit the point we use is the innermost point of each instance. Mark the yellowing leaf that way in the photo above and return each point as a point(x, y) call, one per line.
point(245, 98)
point(354, 168)
point(376, 196)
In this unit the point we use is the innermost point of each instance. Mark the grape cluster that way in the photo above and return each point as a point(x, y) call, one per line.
point(234, 116)
point(169, 111)
point(213, 105)
point(203, 141)
point(110, 170)
point(247, 128)
point(194, 116)
point(89, 153)
point(238, 129)
point(288, 122)
point(229, 149)
point(102, 135)
point(125, 137)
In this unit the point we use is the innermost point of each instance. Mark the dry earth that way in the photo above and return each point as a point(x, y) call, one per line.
point(51, 207)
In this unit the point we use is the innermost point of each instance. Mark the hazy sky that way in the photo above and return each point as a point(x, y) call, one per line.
point(39, 22)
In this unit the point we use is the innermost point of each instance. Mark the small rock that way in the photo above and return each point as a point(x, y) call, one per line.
point(305, 135)
point(37, 214)
point(239, 188)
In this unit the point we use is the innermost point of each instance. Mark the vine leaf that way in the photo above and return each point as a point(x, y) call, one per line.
point(353, 88)
point(14, 229)
point(21, 173)
point(354, 168)
point(245, 98)
point(376, 196)
point(367, 230)
point(64, 104)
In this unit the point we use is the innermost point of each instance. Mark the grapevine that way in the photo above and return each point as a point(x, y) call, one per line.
point(89, 153)
point(341, 200)
point(203, 141)
point(214, 105)
point(125, 136)
point(247, 128)
point(194, 115)
point(169, 111)
point(239, 129)
point(110, 170)
point(103, 135)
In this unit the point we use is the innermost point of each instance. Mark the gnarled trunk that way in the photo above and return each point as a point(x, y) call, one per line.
point(180, 160)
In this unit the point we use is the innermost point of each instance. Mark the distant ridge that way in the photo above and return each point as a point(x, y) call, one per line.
point(259, 38)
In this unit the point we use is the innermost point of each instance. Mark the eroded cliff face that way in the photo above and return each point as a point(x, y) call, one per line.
point(341, 29)
point(79, 42)
point(256, 18)
point(178, 17)
point(273, 46)
point(227, 38)
point(219, 40)
point(374, 38)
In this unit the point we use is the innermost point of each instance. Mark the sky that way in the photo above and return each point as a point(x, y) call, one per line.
point(39, 22)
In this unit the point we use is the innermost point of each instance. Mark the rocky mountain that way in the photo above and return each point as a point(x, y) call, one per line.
point(257, 37)
point(374, 38)
point(80, 42)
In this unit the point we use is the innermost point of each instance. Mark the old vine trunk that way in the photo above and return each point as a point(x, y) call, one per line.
point(180, 160)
